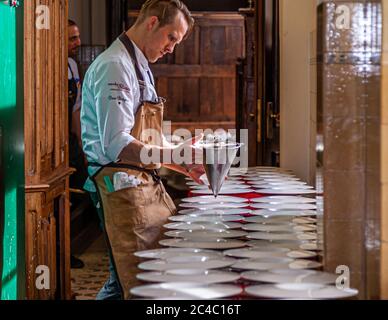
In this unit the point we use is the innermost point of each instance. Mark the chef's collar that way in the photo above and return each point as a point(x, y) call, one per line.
point(141, 59)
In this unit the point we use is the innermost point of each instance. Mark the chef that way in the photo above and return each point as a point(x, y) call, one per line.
point(120, 108)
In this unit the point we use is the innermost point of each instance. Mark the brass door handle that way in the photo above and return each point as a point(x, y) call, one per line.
point(269, 120)
point(273, 120)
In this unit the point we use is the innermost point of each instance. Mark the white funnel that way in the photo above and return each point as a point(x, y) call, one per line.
point(217, 160)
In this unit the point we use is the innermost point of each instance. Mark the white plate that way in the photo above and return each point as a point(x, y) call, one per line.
point(287, 227)
point(260, 183)
point(191, 275)
point(305, 220)
point(173, 252)
point(282, 236)
point(212, 199)
point(206, 218)
point(299, 291)
point(263, 264)
point(305, 264)
point(208, 206)
point(283, 213)
point(286, 191)
point(275, 263)
point(226, 183)
point(214, 244)
point(302, 254)
point(192, 291)
point(284, 206)
point(228, 191)
point(291, 276)
point(262, 168)
point(311, 246)
point(224, 187)
point(271, 178)
point(269, 174)
point(260, 244)
point(270, 220)
point(206, 234)
point(283, 199)
point(220, 212)
point(283, 187)
point(202, 226)
point(257, 253)
point(187, 262)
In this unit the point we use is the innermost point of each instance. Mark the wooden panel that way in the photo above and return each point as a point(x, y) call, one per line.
point(46, 154)
point(194, 71)
point(45, 91)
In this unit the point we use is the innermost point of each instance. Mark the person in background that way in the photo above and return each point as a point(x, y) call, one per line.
point(76, 155)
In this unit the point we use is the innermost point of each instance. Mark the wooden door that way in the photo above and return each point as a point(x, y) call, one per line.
point(258, 83)
point(199, 78)
point(269, 65)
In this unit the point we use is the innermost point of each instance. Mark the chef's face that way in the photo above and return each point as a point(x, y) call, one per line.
point(162, 40)
point(74, 41)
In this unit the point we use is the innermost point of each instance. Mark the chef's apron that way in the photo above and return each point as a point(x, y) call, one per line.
point(134, 217)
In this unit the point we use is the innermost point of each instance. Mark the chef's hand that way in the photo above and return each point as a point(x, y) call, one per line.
point(195, 171)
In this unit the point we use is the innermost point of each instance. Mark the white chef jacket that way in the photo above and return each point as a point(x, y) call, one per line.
point(110, 99)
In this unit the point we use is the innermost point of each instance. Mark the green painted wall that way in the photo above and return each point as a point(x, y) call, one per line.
point(12, 253)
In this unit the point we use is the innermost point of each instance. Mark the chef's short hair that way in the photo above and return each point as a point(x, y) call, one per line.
point(71, 23)
point(166, 11)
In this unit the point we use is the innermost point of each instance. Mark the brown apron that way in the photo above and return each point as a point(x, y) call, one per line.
point(134, 216)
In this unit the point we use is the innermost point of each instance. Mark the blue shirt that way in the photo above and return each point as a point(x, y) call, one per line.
point(110, 99)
